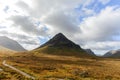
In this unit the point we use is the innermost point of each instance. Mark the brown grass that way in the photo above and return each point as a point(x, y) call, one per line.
point(53, 67)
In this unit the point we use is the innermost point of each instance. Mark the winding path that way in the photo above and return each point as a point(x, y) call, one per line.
point(21, 72)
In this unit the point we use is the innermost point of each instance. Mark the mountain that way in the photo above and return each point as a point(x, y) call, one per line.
point(61, 45)
point(10, 44)
point(112, 53)
point(89, 51)
point(60, 40)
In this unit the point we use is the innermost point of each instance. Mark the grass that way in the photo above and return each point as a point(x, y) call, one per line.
point(64, 51)
point(9, 74)
point(49, 67)
point(6, 52)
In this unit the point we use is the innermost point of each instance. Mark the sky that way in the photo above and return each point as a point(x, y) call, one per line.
point(93, 24)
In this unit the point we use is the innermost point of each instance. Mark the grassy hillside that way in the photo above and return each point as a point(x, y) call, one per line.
point(64, 51)
point(6, 52)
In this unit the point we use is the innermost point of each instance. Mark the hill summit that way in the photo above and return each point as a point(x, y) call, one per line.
point(61, 45)
point(60, 40)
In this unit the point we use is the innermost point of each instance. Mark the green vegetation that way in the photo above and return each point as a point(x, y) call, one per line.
point(64, 51)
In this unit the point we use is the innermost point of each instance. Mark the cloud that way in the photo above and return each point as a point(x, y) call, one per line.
point(103, 45)
point(59, 21)
point(104, 1)
point(39, 8)
point(101, 27)
point(27, 25)
point(57, 16)
point(100, 48)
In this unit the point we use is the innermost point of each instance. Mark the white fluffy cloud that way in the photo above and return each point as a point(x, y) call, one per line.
point(27, 25)
point(102, 26)
point(39, 8)
point(59, 21)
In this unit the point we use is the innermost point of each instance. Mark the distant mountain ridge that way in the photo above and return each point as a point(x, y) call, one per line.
point(10, 44)
point(112, 53)
point(89, 51)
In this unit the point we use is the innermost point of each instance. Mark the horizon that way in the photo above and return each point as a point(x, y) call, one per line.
point(91, 24)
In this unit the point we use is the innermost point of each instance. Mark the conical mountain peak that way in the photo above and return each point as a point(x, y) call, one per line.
point(59, 40)
point(59, 37)
point(59, 34)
